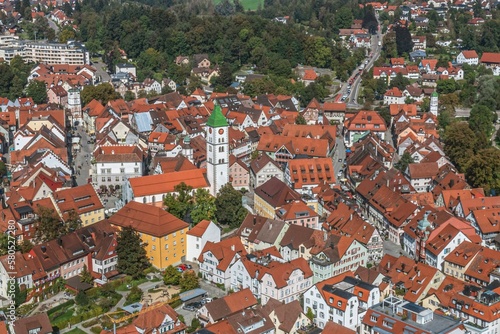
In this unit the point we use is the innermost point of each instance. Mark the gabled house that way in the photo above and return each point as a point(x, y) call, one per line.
point(468, 57)
point(216, 260)
point(303, 175)
point(198, 236)
point(341, 299)
point(341, 254)
point(262, 169)
point(361, 124)
point(298, 213)
point(271, 196)
point(270, 278)
point(224, 307)
point(114, 164)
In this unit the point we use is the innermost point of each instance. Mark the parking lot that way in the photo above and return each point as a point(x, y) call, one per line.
point(212, 292)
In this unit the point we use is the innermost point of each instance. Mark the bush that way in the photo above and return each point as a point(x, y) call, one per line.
point(64, 305)
point(176, 303)
point(96, 329)
point(90, 323)
point(134, 296)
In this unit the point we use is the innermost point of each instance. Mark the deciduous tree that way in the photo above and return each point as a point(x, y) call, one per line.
point(230, 210)
point(37, 90)
point(172, 276)
point(204, 206)
point(189, 281)
point(483, 170)
point(459, 144)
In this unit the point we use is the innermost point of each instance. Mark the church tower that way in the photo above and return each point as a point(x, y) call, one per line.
point(217, 150)
point(434, 103)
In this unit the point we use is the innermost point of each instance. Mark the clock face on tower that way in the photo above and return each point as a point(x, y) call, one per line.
point(210, 130)
point(221, 131)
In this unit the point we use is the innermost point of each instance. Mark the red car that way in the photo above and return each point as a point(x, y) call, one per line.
point(182, 267)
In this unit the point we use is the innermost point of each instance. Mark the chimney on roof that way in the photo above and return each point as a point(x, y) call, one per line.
point(233, 248)
point(43, 248)
point(254, 220)
point(325, 235)
point(112, 151)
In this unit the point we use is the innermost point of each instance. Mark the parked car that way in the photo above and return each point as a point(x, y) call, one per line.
point(181, 268)
point(192, 306)
point(188, 266)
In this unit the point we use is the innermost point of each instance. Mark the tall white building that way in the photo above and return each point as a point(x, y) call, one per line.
point(217, 150)
point(434, 103)
point(75, 104)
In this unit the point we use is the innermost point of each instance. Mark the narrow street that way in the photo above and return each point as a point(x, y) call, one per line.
point(82, 162)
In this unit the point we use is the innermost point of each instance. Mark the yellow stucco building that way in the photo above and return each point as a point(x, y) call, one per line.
point(164, 233)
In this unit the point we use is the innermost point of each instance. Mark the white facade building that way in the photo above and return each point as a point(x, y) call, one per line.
point(217, 150)
point(198, 236)
point(343, 301)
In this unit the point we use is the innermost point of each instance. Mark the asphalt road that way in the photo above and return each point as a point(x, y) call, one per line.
point(101, 74)
point(356, 86)
point(53, 25)
point(339, 154)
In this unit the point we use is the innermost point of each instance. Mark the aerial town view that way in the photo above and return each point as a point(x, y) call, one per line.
point(249, 167)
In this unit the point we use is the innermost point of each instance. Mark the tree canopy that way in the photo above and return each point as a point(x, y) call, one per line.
point(132, 258)
point(230, 210)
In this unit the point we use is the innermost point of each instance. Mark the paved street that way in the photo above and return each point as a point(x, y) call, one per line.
point(82, 163)
point(339, 154)
point(393, 249)
point(101, 74)
point(53, 25)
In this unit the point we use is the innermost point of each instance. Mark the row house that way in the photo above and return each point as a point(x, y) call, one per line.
point(373, 146)
point(239, 173)
point(287, 318)
point(359, 125)
point(430, 242)
point(273, 195)
point(283, 149)
point(271, 279)
point(477, 308)
point(217, 259)
point(409, 278)
point(114, 164)
point(341, 254)
point(486, 223)
point(247, 321)
point(449, 198)
point(394, 315)
point(342, 299)
point(263, 169)
point(83, 201)
point(466, 205)
point(90, 112)
point(346, 221)
point(64, 257)
point(303, 175)
point(421, 175)
point(258, 233)
point(298, 213)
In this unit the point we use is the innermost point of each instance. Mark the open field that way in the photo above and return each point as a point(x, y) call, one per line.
point(247, 4)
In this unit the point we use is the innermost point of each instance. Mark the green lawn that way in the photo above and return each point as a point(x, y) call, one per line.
point(247, 4)
point(76, 331)
point(62, 318)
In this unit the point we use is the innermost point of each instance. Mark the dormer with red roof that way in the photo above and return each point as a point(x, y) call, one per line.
point(394, 96)
point(360, 124)
point(216, 260)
